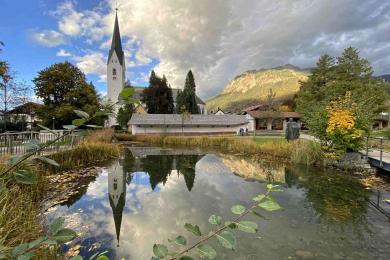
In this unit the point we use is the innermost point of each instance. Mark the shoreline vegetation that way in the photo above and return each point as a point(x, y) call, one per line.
point(21, 205)
point(298, 152)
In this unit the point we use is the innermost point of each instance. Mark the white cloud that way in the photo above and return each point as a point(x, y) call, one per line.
point(93, 63)
point(222, 38)
point(63, 53)
point(73, 23)
point(48, 38)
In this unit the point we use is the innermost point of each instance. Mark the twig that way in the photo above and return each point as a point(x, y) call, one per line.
point(221, 228)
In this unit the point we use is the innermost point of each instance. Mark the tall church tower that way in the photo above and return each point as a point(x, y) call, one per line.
point(116, 69)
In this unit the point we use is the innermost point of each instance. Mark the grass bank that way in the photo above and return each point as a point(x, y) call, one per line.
point(300, 151)
point(20, 207)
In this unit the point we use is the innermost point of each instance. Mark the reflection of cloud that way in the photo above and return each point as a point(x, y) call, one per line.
point(151, 217)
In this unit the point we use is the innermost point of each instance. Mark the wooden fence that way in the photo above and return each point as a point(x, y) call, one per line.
point(17, 143)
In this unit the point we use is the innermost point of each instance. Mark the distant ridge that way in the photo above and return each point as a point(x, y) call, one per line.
point(252, 86)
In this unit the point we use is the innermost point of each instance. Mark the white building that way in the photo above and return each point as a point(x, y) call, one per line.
point(116, 70)
point(193, 124)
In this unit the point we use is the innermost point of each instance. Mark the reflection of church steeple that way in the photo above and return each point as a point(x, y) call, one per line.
point(117, 195)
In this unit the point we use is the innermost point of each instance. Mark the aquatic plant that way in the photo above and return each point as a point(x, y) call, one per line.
point(300, 151)
point(222, 232)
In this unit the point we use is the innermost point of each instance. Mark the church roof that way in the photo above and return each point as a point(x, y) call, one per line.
point(116, 44)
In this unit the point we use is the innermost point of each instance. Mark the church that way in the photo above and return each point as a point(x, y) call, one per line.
point(116, 75)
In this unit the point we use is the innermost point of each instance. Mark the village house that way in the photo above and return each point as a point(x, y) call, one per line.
point(265, 119)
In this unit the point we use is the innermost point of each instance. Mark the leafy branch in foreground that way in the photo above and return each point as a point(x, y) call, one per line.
point(222, 232)
point(56, 234)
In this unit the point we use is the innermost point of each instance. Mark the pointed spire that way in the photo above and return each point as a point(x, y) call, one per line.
point(116, 44)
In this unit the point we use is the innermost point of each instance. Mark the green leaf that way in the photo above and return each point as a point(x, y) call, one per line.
point(180, 240)
point(186, 257)
point(48, 161)
point(206, 251)
point(33, 145)
point(238, 209)
point(19, 250)
point(100, 113)
point(14, 159)
point(26, 256)
point(102, 257)
point(215, 220)
point(269, 205)
point(26, 177)
point(227, 239)
point(127, 92)
point(259, 198)
point(37, 242)
point(77, 257)
point(160, 250)
point(247, 226)
point(194, 229)
point(82, 114)
point(79, 122)
point(69, 127)
point(230, 224)
point(64, 235)
point(56, 225)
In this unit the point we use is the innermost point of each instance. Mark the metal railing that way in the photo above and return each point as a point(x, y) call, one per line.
point(17, 143)
point(378, 144)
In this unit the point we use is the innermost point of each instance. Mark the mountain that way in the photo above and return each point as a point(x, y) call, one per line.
point(385, 77)
point(252, 87)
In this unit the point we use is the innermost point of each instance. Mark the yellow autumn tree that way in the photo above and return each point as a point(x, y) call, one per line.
point(343, 130)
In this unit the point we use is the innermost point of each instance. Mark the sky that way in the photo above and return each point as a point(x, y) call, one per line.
point(216, 39)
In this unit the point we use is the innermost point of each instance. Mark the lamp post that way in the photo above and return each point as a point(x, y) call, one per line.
point(53, 121)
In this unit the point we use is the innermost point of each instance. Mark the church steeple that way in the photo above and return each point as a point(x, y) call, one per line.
point(116, 44)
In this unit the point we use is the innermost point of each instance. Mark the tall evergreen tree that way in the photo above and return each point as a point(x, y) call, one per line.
point(332, 79)
point(158, 96)
point(188, 99)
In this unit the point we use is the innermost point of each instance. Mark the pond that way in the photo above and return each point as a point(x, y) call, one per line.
point(147, 196)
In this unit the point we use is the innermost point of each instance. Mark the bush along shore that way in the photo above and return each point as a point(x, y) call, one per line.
point(21, 204)
point(299, 151)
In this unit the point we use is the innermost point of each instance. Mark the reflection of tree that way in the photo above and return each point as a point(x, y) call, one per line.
point(158, 167)
point(336, 197)
point(186, 166)
point(127, 164)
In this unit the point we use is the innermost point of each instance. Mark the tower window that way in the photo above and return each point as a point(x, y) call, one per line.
point(113, 72)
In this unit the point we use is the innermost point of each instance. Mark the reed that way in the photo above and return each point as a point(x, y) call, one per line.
point(301, 151)
point(96, 147)
point(19, 211)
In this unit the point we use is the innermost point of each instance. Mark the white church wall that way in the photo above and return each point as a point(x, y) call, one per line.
point(115, 82)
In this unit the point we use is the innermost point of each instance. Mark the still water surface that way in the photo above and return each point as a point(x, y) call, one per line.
point(147, 196)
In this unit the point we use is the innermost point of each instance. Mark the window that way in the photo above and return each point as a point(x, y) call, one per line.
point(113, 72)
